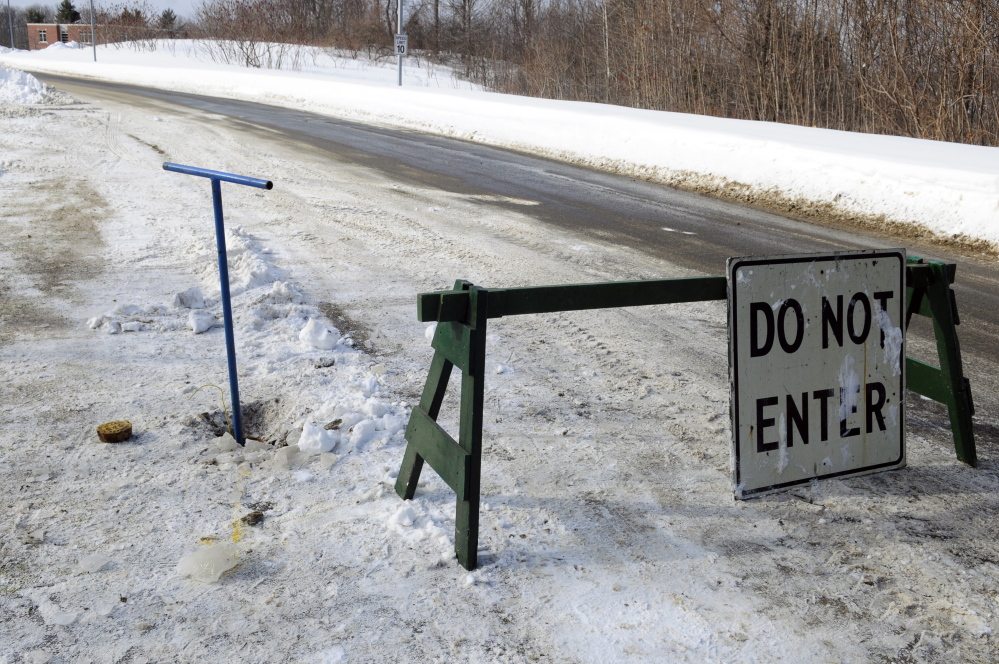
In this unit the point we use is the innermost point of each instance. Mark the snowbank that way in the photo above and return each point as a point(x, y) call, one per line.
point(18, 87)
point(948, 189)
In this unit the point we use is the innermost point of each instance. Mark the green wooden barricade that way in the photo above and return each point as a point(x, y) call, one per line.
point(462, 314)
point(929, 293)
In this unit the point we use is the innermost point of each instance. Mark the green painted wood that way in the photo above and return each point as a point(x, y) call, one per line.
point(573, 297)
point(409, 473)
point(917, 275)
point(436, 385)
point(431, 400)
point(448, 459)
point(916, 303)
point(452, 340)
point(442, 306)
point(943, 305)
point(925, 379)
point(466, 522)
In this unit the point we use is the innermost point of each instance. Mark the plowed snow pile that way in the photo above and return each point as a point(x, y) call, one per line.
point(19, 87)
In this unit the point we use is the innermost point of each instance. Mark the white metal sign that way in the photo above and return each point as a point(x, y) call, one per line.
point(816, 359)
point(402, 44)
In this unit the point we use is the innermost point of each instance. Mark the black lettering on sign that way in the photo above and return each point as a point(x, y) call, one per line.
point(874, 407)
point(764, 423)
point(845, 432)
point(832, 321)
point(798, 418)
point(797, 415)
point(850, 319)
point(772, 328)
point(756, 308)
point(823, 396)
point(799, 319)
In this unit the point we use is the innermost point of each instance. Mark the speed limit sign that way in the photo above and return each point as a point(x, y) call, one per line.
point(402, 44)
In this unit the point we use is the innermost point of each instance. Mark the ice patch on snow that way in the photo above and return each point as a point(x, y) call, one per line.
point(94, 562)
point(62, 618)
point(208, 564)
point(334, 655)
point(36, 657)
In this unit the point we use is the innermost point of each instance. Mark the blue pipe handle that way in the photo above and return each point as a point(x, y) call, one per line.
point(219, 175)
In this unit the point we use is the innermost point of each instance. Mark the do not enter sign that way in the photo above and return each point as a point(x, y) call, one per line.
point(817, 354)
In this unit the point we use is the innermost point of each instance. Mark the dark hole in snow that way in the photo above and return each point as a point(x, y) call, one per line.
point(262, 420)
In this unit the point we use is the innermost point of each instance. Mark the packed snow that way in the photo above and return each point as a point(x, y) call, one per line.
point(944, 189)
point(608, 528)
point(18, 87)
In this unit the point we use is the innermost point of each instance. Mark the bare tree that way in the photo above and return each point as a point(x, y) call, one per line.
point(925, 68)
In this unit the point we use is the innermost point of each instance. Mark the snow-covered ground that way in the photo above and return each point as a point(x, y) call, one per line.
point(942, 189)
point(609, 532)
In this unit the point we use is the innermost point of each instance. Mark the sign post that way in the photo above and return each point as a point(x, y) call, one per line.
point(401, 41)
point(817, 357)
point(10, 25)
point(93, 30)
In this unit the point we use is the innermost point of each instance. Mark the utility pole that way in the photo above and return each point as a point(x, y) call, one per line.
point(10, 24)
point(398, 32)
point(93, 32)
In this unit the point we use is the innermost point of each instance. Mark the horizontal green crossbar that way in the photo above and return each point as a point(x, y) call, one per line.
point(918, 274)
point(440, 450)
point(443, 306)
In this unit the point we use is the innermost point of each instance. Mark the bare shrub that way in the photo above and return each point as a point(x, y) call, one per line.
point(923, 68)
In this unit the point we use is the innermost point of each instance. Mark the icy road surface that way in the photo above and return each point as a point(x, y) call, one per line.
point(608, 530)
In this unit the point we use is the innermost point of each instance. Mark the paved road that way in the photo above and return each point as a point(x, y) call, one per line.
point(610, 208)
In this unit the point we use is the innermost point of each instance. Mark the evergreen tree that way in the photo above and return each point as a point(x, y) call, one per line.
point(167, 19)
point(35, 15)
point(66, 12)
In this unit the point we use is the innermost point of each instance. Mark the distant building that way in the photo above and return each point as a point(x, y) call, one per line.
point(41, 35)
